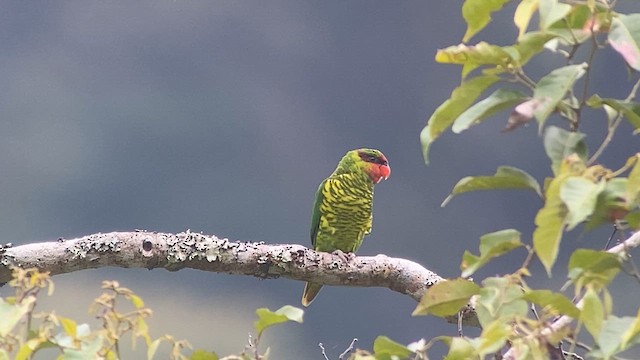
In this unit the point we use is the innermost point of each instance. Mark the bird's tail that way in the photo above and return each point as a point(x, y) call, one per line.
point(310, 292)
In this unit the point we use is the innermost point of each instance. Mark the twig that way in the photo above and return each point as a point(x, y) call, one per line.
point(635, 273)
point(587, 77)
point(572, 355)
point(534, 311)
point(323, 352)
point(522, 78)
point(256, 344)
point(615, 229)
point(581, 345)
point(349, 349)
point(527, 260)
point(610, 132)
point(613, 126)
point(633, 92)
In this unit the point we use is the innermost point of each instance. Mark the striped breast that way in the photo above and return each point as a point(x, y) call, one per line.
point(345, 213)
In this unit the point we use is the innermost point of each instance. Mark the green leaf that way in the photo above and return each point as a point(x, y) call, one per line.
point(551, 11)
point(69, 326)
point(554, 303)
point(201, 354)
point(560, 143)
point(26, 351)
point(633, 220)
point(461, 98)
point(267, 318)
point(153, 347)
point(553, 87)
point(425, 142)
point(607, 302)
point(531, 44)
point(11, 314)
point(632, 331)
point(362, 355)
point(580, 196)
point(575, 27)
point(137, 301)
point(493, 338)
point(460, 348)
point(550, 220)
point(506, 177)
point(473, 56)
point(65, 340)
point(387, 347)
point(633, 183)
point(500, 100)
point(502, 57)
point(523, 15)
point(500, 298)
point(593, 268)
point(624, 38)
point(88, 349)
point(611, 205)
point(141, 329)
point(611, 335)
point(592, 314)
point(629, 109)
point(482, 53)
point(477, 14)
point(446, 297)
point(491, 245)
point(527, 349)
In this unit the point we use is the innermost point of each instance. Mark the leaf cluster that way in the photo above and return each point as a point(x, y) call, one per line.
point(563, 28)
point(25, 333)
point(579, 191)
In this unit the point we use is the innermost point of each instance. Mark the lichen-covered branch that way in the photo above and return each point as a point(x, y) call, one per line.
point(152, 250)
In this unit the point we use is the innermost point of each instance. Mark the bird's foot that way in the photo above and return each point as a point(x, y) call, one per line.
point(346, 257)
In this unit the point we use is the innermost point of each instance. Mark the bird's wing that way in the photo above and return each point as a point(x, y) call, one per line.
point(315, 216)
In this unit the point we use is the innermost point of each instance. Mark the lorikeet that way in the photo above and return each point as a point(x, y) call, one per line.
point(342, 213)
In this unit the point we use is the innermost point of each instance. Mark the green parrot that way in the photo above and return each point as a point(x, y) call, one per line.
point(342, 213)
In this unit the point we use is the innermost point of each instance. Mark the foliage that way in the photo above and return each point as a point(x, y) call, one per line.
point(579, 191)
point(23, 332)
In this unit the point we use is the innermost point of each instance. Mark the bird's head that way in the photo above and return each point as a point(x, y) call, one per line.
point(370, 161)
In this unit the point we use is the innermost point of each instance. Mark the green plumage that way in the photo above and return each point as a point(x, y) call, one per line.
point(342, 212)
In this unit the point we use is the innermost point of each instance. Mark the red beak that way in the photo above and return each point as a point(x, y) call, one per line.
point(383, 172)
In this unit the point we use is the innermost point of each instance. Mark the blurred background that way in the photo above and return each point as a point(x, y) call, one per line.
point(223, 117)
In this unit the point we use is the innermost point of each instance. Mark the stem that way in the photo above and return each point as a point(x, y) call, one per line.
point(522, 78)
point(324, 354)
point(613, 126)
point(610, 132)
point(529, 257)
point(587, 78)
point(633, 92)
point(349, 349)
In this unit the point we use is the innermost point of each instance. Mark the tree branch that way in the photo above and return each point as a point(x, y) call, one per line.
point(173, 252)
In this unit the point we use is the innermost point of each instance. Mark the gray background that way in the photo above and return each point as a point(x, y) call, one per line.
point(223, 117)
